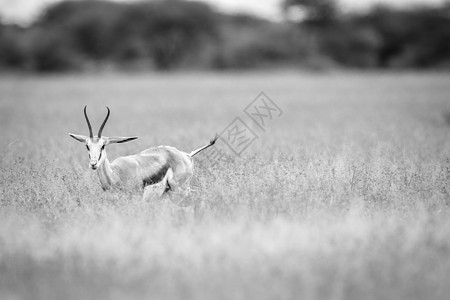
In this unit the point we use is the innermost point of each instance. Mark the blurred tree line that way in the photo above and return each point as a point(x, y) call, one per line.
point(174, 34)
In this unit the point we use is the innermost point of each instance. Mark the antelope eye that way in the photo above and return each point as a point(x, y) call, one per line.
point(103, 147)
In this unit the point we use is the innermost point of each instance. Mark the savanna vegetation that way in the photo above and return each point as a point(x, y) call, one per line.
point(76, 35)
point(345, 196)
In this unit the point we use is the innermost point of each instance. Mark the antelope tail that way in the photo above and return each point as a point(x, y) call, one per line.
point(211, 142)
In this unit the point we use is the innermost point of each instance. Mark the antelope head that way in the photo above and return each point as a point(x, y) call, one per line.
point(95, 145)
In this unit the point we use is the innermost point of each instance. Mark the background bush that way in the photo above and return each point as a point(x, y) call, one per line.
point(165, 35)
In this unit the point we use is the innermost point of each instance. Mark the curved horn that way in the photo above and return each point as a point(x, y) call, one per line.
point(103, 124)
point(91, 135)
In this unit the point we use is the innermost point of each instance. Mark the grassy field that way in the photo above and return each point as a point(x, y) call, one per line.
point(345, 196)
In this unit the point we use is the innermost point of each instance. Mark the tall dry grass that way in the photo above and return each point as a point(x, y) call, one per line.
point(344, 197)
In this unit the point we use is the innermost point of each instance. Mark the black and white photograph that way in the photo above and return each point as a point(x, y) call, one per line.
point(224, 149)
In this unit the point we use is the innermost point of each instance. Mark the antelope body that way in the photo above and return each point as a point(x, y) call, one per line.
point(164, 164)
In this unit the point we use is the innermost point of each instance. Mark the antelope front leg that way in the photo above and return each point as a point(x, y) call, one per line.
point(154, 191)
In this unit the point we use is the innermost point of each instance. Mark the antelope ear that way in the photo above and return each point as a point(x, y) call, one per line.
point(119, 140)
point(78, 137)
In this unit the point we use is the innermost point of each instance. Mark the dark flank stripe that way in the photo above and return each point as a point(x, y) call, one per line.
point(156, 177)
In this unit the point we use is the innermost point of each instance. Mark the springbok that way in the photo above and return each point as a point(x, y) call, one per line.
point(164, 164)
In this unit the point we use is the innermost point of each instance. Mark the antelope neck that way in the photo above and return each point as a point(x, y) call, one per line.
point(106, 174)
